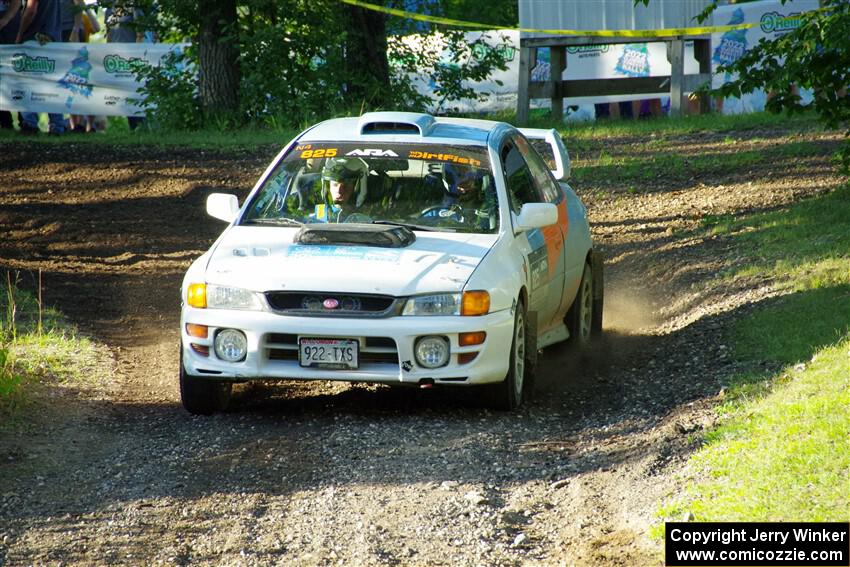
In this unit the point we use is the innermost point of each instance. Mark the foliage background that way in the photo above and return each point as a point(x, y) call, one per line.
point(300, 61)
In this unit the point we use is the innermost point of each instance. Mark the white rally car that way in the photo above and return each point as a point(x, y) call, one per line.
point(396, 248)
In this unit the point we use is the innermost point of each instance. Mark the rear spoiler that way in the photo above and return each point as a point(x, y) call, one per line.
point(559, 151)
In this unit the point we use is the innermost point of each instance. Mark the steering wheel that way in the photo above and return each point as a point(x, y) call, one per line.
point(442, 212)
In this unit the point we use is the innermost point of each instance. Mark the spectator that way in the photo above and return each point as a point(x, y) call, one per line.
point(9, 10)
point(85, 24)
point(124, 25)
point(40, 20)
point(72, 20)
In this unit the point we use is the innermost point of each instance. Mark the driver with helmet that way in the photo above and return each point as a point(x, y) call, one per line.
point(469, 197)
point(344, 190)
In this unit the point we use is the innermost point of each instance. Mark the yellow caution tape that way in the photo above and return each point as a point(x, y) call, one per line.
point(667, 32)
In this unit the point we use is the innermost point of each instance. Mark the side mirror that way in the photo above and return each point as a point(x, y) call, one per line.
point(536, 215)
point(223, 206)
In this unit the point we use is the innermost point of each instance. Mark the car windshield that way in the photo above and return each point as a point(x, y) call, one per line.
point(424, 187)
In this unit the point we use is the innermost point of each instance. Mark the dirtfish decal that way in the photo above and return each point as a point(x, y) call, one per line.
point(774, 22)
point(76, 79)
point(733, 43)
point(116, 64)
point(23, 63)
point(634, 62)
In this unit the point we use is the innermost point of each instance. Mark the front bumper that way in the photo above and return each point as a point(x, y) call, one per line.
point(386, 347)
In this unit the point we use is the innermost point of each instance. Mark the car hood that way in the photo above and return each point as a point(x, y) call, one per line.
point(265, 259)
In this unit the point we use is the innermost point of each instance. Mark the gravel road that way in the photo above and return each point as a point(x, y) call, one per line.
point(113, 471)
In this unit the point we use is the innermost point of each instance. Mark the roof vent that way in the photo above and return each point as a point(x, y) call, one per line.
point(405, 123)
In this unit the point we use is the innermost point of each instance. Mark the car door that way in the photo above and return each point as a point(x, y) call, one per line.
point(556, 235)
point(542, 248)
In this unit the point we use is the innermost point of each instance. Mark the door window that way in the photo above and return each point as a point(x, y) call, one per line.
point(521, 186)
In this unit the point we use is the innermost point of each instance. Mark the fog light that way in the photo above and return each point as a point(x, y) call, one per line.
point(432, 352)
point(231, 345)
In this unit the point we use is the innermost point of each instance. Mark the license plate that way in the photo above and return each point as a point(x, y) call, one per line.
point(328, 353)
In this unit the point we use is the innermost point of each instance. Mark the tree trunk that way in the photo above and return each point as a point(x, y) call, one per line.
point(218, 56)
point(366, 62)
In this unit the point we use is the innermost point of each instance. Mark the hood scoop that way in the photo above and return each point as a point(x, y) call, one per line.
point(354, 234)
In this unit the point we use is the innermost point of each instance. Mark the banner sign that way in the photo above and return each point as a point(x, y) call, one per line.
point(76, 78)
point(583, 62)
point(750, 22)
point(768, 19)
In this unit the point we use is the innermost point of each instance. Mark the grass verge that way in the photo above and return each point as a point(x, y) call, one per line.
point(39, 349)
point(782, 452)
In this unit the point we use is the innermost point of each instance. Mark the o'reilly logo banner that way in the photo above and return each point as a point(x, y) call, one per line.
point(71, 78)
point(774, 22)
point(115, 64)
point(23, 63)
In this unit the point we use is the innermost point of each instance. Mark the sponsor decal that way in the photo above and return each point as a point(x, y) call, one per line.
point(733, 43)
point(774, 22)
point(43, 97)
point(18, 94)
point(505, 50)
point(407, 366)
point(538, 258)
point(588, 49)
point(372, 153)
point(23, 63)
point(317, 153)
point(114, 64)
point(76, 80)
point(112, 100)
point(343, 252)
point(634, 62)
point(439, 156)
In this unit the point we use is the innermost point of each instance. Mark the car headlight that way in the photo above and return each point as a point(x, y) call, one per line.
point(435, 304)
point(466, 303)
point(223, 297)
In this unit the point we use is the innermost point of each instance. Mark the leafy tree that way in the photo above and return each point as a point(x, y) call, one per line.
point(295, 61)
point(815, 56)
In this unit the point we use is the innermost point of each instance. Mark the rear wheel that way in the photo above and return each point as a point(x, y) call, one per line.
point(202, 396)
point(509, 393)
point(580, 318)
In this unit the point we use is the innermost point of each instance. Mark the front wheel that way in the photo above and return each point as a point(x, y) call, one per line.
point(509, 393)
point(202, 396)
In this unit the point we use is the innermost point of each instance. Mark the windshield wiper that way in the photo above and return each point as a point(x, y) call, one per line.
point(282, 221)
point(408, 225)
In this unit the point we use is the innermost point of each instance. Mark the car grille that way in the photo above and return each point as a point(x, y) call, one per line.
point(347, 305)
point(378, 350)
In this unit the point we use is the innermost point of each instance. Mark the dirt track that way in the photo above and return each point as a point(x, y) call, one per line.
point(323, 474)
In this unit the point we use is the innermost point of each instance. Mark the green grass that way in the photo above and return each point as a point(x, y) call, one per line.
point(782, 451)
point(39, 349)
point(805, 246)
point(581, 137)
point(118, 133)
point(786, 456)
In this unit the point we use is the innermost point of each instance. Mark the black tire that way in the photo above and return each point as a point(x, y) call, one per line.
point(581, 315)
point(597, 263)
point(509, 394)
point(203, 396)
